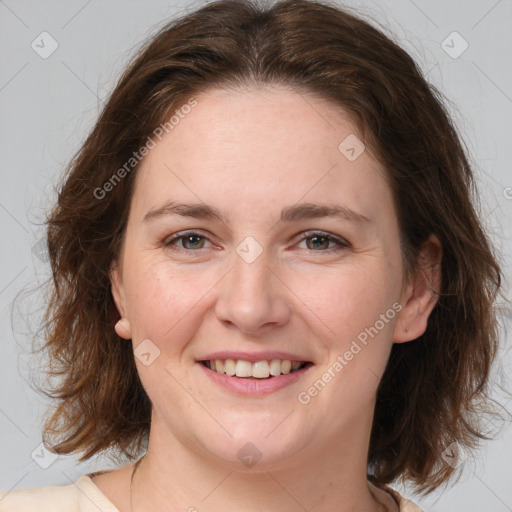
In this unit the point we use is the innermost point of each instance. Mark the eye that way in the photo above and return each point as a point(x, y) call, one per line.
point(320, 242)
point(190, 240)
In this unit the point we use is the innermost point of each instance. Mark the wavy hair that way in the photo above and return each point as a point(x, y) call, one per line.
point(434, 387)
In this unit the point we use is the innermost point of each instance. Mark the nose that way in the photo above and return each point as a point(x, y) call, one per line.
point(252, 297)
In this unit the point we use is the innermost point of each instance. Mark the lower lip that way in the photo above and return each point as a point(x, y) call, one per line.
point(252, 386)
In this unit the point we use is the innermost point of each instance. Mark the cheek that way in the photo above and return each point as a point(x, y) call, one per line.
point(163, 302)
point(357, 313)
point(351, 300)
point(165, 309)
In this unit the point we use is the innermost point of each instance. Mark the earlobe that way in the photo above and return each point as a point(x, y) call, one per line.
point(421, 294)
point(123, 328)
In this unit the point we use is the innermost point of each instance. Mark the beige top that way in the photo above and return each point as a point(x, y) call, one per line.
point(85, 496)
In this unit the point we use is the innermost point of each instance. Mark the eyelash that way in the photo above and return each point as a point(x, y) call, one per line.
point(341, 244)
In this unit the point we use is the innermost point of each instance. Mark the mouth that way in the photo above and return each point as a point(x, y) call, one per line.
point(257, 370)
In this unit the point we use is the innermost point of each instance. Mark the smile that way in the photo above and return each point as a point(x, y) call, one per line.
point(254, 378)
point(258, 369)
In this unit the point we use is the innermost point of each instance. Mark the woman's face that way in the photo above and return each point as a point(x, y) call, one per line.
point(261, 231)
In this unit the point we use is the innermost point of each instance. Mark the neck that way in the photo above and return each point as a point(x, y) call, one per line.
point(173, 476)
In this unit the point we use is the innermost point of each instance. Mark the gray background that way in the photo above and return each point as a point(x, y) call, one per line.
point(49, 104)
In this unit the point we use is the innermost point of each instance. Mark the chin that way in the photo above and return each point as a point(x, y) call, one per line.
point(254, 451)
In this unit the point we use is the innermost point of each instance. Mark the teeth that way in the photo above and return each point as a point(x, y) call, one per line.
point(286, 366)
point(229, 367)
point(275, 367)
point(258, 370)
point(243, 368)
point(219, 365)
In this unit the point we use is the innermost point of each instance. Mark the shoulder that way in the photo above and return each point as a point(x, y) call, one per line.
point(392, 499)
point(404, 504)
point(40, 498)
point(80, 496)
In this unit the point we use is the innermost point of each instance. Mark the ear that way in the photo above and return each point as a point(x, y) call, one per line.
point(122, 327)
point(420, 295)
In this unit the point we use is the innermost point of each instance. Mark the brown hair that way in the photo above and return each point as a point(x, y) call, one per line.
point(433, 387)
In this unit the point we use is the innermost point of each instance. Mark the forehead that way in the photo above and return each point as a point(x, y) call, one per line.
point(258, 147)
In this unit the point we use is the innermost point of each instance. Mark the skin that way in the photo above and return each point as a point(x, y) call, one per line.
point(251, 153)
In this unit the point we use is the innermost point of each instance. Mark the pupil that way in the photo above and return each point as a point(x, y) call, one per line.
point(317, 238)
point(191, 237)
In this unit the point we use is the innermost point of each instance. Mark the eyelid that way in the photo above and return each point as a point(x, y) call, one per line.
point(341, 242)
point(182, 234)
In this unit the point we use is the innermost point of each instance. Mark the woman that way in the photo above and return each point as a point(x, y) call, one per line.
point(268, 271)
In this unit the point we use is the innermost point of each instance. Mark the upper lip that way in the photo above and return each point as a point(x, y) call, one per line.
point(253, 356)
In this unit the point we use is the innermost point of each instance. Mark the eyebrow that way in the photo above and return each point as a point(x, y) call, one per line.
point(289, 214)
